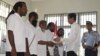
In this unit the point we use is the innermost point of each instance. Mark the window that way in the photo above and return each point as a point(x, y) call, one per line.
point(82, 17)
point(4, 10)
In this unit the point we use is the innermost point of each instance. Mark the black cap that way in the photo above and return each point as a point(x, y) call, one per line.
point(89, 23)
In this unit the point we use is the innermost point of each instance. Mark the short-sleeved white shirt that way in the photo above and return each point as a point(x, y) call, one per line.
point(16, 24)
point(50, 37)
point(31, 36)
point(41, 49)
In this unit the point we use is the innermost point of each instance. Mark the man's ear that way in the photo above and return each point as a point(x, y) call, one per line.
point(19, 8)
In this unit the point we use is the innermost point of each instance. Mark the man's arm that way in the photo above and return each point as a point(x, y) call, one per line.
point(97, 40)
point(12, 42)
point(49, 43)
point(27, 48)
point(83, 40)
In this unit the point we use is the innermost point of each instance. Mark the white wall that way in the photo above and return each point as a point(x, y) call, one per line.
point(28, 3)
point(67, 6)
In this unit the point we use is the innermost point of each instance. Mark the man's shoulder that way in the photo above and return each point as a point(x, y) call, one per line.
point(76, 25)
point(85, 33)
point(95, 32)
point(47, 31)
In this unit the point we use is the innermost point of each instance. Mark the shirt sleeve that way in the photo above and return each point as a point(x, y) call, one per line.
point(98, 37)
point(26, 30)
point(11, 23)
point(83, 40)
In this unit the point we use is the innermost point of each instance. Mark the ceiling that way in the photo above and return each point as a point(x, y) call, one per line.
point(37, 0)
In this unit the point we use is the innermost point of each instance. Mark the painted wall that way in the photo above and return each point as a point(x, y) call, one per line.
point(28, 3)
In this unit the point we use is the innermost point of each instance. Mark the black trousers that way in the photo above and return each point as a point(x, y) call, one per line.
point(71, 53)
point(18, 53)
point(90, 52)
point(33, 55)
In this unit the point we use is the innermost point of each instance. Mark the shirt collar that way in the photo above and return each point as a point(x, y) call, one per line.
point(30, 23)
point(17, 14)
point(91, 31)
point(73, 23)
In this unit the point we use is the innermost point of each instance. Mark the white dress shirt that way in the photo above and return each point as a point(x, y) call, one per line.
point(31, 35)
point(16, 24)
point(50, 37)
point(61, 49)
point(73, 41)
point(41, 49)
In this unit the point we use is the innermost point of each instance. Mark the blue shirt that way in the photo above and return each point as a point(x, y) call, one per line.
point(90, 38)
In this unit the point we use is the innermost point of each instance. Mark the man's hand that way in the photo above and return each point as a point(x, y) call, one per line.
point(50, 43)
point(57, 39)
point(41, 42)
point(13, 52)
point(59, 43)
point(27, 54)
point(84, 46)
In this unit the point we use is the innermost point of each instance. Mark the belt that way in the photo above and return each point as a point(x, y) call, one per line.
point(89, 47)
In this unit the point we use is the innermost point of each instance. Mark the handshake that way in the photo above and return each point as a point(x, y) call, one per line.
point(57, 41)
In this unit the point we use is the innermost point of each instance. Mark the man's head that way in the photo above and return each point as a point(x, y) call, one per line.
point(71, 18)
point(21, 8)
point(89, 25)
point(43, 25)
point(60, 32)
point(33, 18)
point(51, 26)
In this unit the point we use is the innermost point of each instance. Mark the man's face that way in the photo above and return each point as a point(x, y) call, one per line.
point(70, 20)
point(23, 10)
point(43, 26)
point(89, 27)
point(52, 28)
point(61, 32)
point(33, 20)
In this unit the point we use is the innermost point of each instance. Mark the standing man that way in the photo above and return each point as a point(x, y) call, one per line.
point(58, 50)
point(73, 41)
point(31, 24)
point(40, 37)
point(50, 37)
point(16, 45)
point(90, 41)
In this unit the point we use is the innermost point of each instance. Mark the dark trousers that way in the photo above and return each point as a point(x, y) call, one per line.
point(71, 53)
point(90, 52)
point(33, 55)
point(18, 53)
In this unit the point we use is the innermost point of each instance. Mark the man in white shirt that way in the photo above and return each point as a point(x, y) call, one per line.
point(41, 39)
point(16, 30)
point(73, 41)
point(50, 37)
point(31, 24)
point(60, 34)
point(58, 49)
